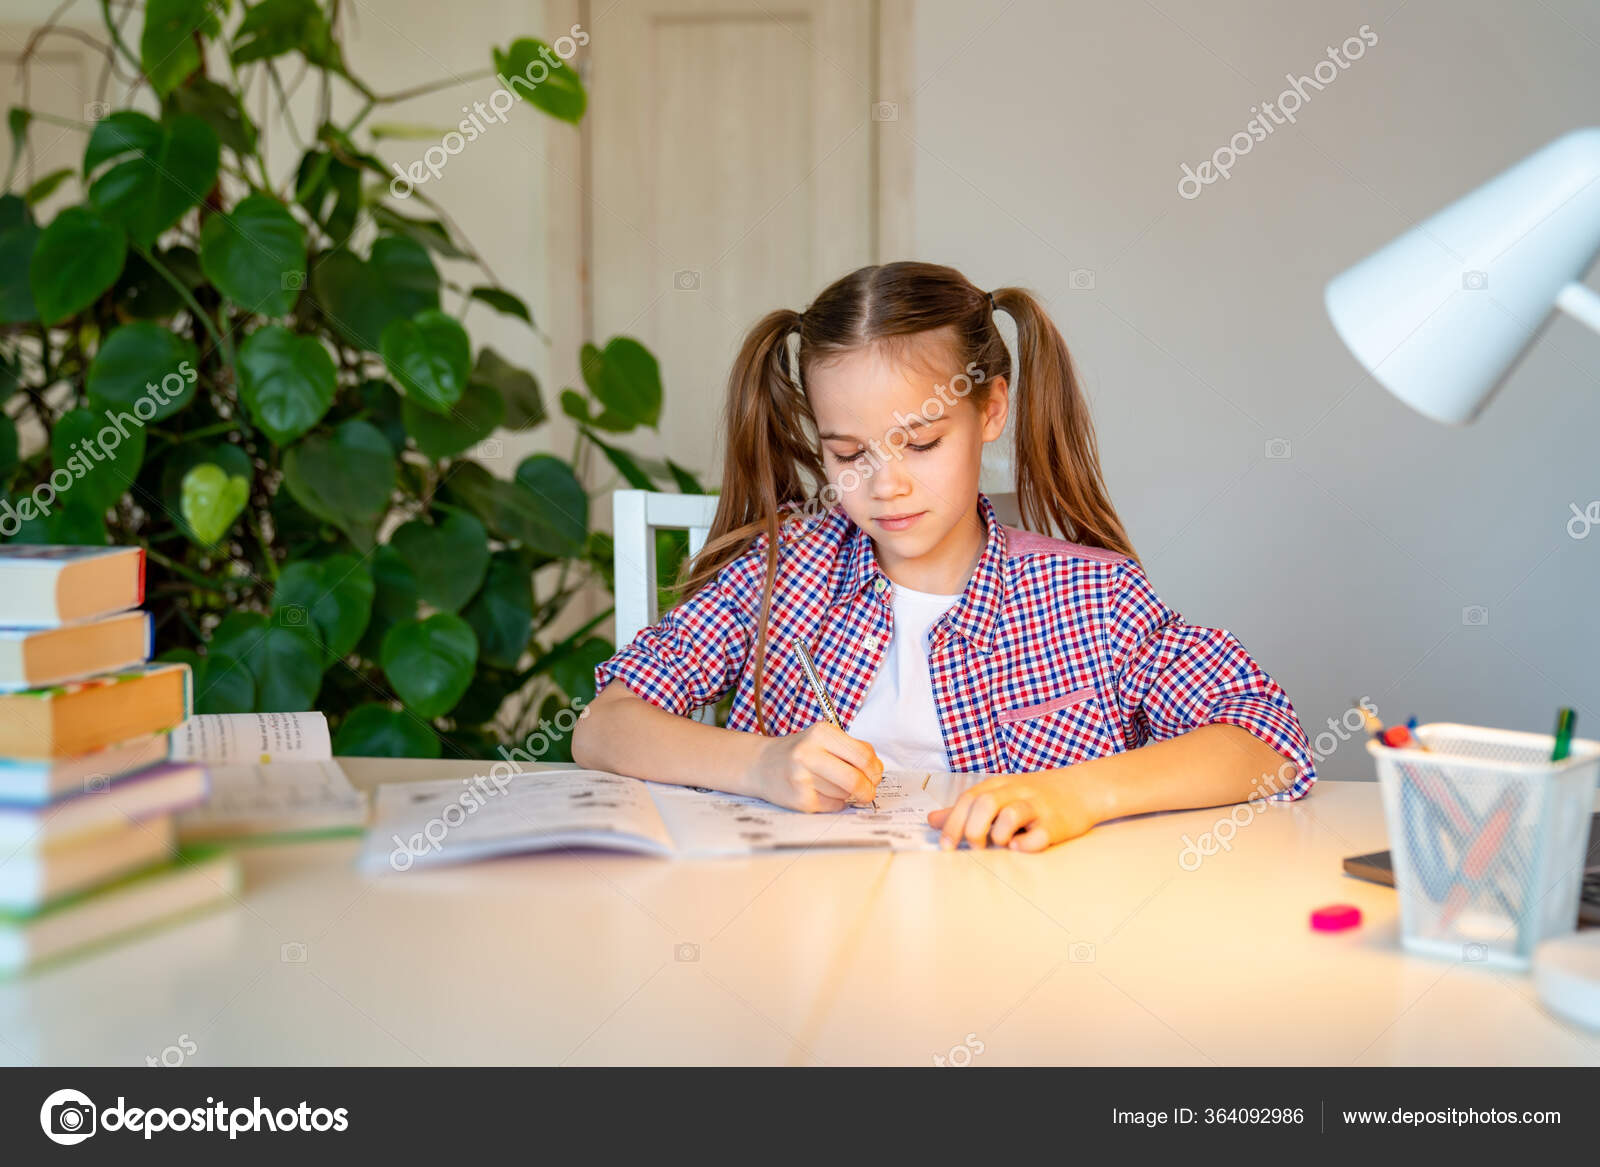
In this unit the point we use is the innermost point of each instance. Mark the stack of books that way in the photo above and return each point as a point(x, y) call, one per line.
point(88, 841)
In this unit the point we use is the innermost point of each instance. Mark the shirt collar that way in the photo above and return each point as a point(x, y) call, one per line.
point(974, 615)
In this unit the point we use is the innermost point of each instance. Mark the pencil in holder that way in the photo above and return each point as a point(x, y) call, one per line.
point(1487, 837)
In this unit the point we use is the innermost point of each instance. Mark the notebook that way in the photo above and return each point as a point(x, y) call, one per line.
point(454, 821)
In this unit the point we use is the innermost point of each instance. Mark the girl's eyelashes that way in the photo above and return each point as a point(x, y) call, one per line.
point(859, 454)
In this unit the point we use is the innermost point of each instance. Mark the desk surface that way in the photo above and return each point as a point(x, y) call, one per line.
point(1102, 951)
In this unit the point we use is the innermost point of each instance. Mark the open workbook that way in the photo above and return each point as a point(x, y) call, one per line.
point(417, 823)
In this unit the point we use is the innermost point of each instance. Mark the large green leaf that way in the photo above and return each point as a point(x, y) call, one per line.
point(623, 461)
point(78, 256)
point(505, 508)
point(143, 362)
point(148, 172)
point(180, 460)
point(219, 107)
point(430, 356)
point(256, 255)
point(395, 598)
point(563, 504)
point(447, 561)
point(574, 669)
point(625, 379)
point(78, 522)
point(237, 635)
point(502, 301)
point(221, 684)
point(429, 233)
point(382, 406)
point(534, 72)
point(274, 27)
point(18, 237)
point(167, 49)
point(430, 662)
point(501, 614)
point(286, 380)
point(524, 406)
point(142, 293)
point(361, 298)
point(376, 731)
point(345, 477)
point(102, 457)
point(288, 668)
point(211, 500)
point(329, 188)
point(328, 599)
point(469, 421)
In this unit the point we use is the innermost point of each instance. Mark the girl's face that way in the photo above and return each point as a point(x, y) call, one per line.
point(902, 441)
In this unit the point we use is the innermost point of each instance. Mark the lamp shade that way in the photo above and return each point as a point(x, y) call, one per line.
point(1440, 315)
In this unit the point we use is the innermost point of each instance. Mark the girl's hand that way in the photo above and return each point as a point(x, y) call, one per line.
point(819, 768)
point(1025, 812)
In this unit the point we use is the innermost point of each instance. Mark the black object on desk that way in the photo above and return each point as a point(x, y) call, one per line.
point(1378, 868)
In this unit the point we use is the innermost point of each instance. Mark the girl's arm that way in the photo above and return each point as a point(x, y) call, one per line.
point(1214, 729)
point(626, 734)
point(1213, 765)
point(818, 769)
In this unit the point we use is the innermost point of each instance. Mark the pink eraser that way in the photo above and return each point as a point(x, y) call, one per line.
point(1335, 918)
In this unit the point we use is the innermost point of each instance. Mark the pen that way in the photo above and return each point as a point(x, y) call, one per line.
point(1564, 722)
point(823, 700)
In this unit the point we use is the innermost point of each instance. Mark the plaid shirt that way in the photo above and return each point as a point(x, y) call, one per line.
point(1054, 654)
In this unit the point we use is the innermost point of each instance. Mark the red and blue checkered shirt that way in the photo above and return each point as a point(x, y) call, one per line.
point(1054, 654)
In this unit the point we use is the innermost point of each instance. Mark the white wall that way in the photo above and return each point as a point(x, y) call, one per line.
point(1049, 139)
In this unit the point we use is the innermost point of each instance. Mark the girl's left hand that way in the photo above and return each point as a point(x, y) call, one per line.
point(1025, 812)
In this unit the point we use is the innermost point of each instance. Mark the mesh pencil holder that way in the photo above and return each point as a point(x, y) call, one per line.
point(1487, 837)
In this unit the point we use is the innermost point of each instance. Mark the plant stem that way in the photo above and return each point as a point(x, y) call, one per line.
point(221, 340)
point(188, 573)
point(116, 37)
point(433, 87)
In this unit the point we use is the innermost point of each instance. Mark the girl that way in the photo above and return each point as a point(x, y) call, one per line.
point(945, 639)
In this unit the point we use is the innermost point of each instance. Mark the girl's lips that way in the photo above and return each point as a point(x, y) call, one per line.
point(901, 523)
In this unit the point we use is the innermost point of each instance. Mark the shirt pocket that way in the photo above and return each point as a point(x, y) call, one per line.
point(1062, 731)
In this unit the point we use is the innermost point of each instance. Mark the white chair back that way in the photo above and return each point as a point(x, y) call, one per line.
point(636, 516)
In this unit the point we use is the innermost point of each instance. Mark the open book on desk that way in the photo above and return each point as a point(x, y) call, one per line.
point(454, 821)
point(273, 777)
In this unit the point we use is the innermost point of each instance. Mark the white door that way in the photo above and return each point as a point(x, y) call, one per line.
point(731, 149)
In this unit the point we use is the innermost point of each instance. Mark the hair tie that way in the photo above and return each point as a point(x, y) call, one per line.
point(991, 301)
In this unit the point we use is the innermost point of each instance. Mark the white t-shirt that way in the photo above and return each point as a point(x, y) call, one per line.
point(898, 715)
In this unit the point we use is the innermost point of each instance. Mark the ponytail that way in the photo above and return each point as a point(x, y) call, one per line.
point(1057, 462)
point(767, 450)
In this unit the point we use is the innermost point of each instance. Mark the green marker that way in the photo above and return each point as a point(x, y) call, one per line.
point(1564, 720)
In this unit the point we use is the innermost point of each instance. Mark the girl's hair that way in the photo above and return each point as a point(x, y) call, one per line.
point(773, 461)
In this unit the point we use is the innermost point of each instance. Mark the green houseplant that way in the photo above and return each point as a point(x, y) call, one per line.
point(265, 380)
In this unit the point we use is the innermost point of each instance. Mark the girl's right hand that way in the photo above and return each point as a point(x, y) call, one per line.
point(819, 768)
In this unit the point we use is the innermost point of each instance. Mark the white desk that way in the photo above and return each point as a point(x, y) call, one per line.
point(1102, 950)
